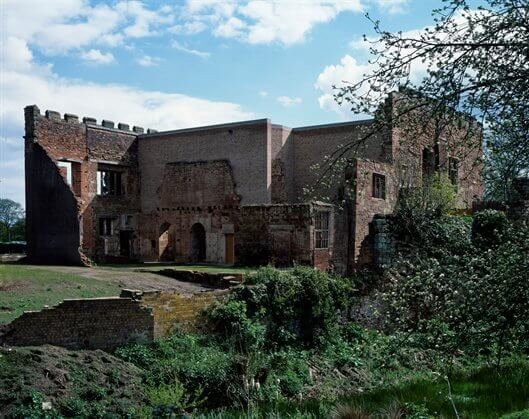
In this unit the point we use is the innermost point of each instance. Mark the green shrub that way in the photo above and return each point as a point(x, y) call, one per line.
point(236, 330)
point(204, 368)
point(489, 227)
point(419, 209)
point(476, 300)
point(297, 306)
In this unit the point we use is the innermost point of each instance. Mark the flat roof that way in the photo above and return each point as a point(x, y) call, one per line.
point(334, 125)
point(206, 127)
point(256, 122)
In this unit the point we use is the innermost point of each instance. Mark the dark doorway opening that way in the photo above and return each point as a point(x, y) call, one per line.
point(198, 243)
point(125, 239)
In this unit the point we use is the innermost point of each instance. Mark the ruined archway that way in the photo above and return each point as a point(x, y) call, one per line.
point(198, 243)
point(166, 243)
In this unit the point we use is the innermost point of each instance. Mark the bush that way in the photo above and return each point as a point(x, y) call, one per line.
point(477, 301)
point(297, 306)
point(419, 208)
point(204, 369)
point(489, 227)
point(236, 330)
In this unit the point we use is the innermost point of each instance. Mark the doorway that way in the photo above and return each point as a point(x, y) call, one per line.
point(198, 243)
point(125, 239)
point(166, 244)
point(230, 249)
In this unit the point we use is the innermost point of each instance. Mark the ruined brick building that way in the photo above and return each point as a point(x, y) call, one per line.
point(223, 193)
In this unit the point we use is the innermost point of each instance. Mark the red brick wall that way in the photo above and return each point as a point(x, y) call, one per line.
point(280, 235)
point(97, 323)
point(74, 234)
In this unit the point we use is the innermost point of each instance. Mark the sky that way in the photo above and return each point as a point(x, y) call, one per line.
point(172, 64)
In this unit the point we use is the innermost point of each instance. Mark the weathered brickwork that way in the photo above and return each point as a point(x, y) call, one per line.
point(182, 311)
point(97, 323)
point(225, 193)
point(282, 235)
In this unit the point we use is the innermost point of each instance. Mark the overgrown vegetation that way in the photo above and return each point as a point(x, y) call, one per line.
point(449, 333)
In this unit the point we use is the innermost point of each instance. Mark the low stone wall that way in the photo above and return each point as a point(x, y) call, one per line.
point(96, 323)
point(182, 311)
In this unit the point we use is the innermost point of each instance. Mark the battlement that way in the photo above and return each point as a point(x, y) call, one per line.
point(33, 112)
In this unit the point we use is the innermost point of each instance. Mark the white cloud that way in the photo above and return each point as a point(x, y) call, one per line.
point(58, 26)
point(263, 93)
point(189, 28)
point(266, 21)
point(148, 61)
point(202, 54)
point(287, 101)
point(144, 20)
point(97, 57)
point(349, 70)
point(16, 54)
point(392, 6)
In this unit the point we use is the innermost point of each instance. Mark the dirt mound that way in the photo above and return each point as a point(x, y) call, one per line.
point(77, 383)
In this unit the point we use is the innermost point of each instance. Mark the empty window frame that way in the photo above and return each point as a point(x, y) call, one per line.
point(106, 226)
point(65, 168)
point(109, 182)
point(321, 229)
point(453, 170)
point(379, 186)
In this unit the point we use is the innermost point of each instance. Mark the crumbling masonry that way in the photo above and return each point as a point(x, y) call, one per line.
point(221, 194)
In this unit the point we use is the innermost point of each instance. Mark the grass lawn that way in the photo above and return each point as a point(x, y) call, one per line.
point(25, 288)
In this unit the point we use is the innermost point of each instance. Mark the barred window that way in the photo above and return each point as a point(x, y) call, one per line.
point(379, 186)
point(321, 229)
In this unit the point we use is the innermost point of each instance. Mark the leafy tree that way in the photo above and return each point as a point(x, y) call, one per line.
point(471, 62)
point(474, 298)
point(11, 212)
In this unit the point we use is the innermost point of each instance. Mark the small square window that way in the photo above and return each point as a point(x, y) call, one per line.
point(106, 226)
point(321, 229)
point(379, 186)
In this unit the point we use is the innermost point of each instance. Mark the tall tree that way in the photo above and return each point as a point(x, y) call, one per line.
point(10, 213)
point(472, 61)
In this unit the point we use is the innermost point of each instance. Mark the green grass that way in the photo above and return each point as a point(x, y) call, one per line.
point(25, 288)
point(484, 393)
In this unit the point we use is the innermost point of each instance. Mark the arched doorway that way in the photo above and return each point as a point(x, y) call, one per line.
point(166, 243)
point(198, 243)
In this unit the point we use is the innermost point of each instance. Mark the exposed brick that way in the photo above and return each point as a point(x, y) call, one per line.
point(97, 323)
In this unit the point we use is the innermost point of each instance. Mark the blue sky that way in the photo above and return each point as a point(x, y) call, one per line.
point(172, 64)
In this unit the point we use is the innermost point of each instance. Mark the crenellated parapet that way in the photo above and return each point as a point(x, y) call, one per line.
point(32, 113)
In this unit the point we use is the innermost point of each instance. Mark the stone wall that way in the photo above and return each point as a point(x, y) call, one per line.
point(281, 235)
point(245, 146)
point(182, 311)
point(50, 141)
point(367, 206)
point(97, 323)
